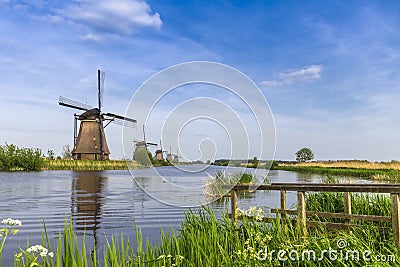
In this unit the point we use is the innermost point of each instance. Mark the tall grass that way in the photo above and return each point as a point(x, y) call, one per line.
point(361, 203)
point(215, 186)
point(88, 165)
point(205, 240)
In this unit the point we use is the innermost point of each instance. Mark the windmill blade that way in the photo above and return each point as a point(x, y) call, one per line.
point(115, 116)
point(101, 76)
point(63, 101)
point(123, 123)
point(121, 120)
point(151, 144)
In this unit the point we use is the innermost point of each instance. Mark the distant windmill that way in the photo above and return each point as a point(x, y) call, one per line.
point(90, 142)
point(142, 145)
point(173, 158)
point(159, 153)
point(176, 157)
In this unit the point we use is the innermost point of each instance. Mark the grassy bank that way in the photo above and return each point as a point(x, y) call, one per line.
point(88, 165)
point(377, 174)
point(205, 240)
point(352, 164)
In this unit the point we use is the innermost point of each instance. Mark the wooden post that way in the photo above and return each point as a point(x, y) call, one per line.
point(283, 207)
point(347, 205)
point(234, 206)
point(301, 212)
point(395, 218)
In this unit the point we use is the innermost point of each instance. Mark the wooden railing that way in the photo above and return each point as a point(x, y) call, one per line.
point(347, 189)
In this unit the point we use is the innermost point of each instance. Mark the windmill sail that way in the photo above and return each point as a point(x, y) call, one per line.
point(101, 77)
point(63, 101)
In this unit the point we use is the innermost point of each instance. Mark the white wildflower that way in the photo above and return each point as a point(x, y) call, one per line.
point(42, 251)
point(11, 222)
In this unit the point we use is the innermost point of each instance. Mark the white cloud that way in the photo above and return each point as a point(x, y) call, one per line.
point(91, 37)
point(112, 16)
point(305, 74)
point(8, 60)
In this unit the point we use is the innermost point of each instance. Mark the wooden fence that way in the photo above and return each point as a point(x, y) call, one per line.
point(347, 189)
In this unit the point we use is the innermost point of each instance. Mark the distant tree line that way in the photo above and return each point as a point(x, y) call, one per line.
point(13, 158)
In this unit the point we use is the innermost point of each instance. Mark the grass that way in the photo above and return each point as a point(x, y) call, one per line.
point(351, 164)
point(205, 240)
point(88, 165)
point(376, 174)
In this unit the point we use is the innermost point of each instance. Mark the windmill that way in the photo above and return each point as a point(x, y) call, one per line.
point(172, 158)
point(159, 154)
point(90, 142)
point(141, 145)
point(176, 157)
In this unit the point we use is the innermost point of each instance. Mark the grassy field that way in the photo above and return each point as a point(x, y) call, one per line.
point(89, 165)
point(387, 171)
point(351, 164)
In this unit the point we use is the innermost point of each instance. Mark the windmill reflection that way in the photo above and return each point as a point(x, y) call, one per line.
point(87, 200)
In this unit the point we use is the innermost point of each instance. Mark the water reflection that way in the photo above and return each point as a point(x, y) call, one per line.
point(87, 200)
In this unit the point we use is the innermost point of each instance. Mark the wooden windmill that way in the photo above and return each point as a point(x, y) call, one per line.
point(90, 143)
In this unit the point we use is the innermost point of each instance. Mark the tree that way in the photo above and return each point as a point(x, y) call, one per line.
point(66, 152)
point(304, 155)
point(50, 154)
point(255, 161)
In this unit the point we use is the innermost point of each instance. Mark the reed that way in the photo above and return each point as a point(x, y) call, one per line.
point(216, 186)
point(88, 165)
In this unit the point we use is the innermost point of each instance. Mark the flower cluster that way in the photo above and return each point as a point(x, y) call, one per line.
point(11, 222)
point(256, 213)
point(42, 251)
point(169, 258)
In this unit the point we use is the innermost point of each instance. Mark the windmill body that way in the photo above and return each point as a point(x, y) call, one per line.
point(91, 133)
point(90, 143)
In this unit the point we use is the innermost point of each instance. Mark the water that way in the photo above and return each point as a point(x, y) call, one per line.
point(106, 203)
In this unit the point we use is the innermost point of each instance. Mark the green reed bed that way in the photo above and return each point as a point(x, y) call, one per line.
point(216, 186)
point(207, 240)
point(389, 175)
point(88, 165)
point(365, 204)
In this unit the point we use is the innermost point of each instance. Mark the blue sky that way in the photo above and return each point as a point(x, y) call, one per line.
point(329, 69)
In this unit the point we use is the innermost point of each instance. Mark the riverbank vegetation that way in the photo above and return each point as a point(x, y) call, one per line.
point(349, 164)
point(207, 240)
point(216, 186)
point(91, 165)
point(385, 171)
point(14, 158)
